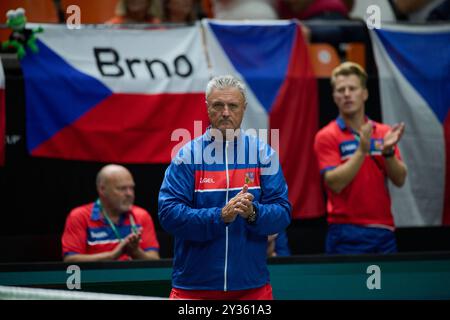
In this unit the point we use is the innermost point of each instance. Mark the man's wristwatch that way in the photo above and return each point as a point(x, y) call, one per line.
point(252, 217)
point(389, 153)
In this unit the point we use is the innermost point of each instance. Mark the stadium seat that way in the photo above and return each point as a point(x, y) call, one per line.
point(324, 59)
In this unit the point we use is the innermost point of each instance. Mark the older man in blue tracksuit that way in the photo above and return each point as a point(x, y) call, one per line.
point(221, 197)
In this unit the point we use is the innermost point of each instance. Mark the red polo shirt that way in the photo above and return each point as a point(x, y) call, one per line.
point(365, 200)
point(87, 232)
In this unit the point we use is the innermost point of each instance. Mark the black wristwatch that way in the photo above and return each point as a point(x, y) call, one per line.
point(252, 217)
point(389, 154)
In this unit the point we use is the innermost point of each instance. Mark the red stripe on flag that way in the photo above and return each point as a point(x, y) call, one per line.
point(2, 126)
point(128, 128)
point(210, 180)
point(296, 114)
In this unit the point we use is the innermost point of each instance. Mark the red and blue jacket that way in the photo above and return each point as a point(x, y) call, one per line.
point(206, 173)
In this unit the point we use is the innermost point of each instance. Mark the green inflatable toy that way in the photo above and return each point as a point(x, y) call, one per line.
point(21, 37)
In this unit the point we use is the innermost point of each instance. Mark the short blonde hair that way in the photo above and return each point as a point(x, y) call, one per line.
point(154, 8)
point(349, 68)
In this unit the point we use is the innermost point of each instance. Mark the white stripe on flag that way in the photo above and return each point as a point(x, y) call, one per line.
point(420, 201)
point(255, 115)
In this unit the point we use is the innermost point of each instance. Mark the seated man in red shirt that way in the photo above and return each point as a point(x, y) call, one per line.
point(111, 228)
point(356, 158)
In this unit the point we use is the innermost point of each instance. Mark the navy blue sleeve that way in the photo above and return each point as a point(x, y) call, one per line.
point(282, 245)
point(175, 205)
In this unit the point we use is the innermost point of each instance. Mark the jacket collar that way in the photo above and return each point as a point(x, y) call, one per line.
point(341, 123)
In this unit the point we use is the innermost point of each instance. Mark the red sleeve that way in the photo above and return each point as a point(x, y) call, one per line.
point(149, 239)
point(74, 237)
point(327, 151)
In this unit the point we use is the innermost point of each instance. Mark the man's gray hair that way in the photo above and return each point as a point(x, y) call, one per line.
point(226, 81)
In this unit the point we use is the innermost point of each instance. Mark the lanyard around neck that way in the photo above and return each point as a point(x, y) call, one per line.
point(112, 225)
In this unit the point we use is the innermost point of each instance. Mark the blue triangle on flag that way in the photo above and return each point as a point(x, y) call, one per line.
point(72, 94)
point(260, 54)
point(424, 59)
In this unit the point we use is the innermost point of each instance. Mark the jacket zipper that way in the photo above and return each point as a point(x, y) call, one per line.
point(226, 228)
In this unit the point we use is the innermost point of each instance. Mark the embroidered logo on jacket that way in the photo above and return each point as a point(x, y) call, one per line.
point(99, 234)
point(249, 177)
point(207, 180)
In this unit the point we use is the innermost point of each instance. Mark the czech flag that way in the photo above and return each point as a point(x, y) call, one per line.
point(414, 74)
point(119, 95)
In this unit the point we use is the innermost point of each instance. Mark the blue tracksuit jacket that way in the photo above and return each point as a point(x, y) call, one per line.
point(210, 254)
